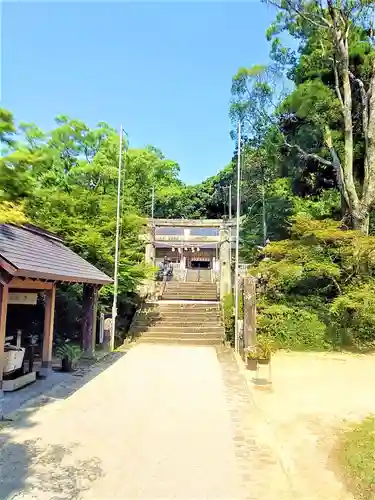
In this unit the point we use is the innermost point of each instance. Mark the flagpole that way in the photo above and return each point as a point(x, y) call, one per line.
point(236, 277)
point(231, 235)
point(115, 278)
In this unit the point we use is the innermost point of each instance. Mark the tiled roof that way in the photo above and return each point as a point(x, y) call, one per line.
point(37, 254)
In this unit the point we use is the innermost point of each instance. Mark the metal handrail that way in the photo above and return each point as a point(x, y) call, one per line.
point(162, 290)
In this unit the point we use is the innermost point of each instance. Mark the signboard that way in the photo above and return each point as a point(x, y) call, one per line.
point(191, 239)
point(23, 298)
point(101, 329)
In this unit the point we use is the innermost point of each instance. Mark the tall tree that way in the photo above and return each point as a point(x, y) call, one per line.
point(343, 30)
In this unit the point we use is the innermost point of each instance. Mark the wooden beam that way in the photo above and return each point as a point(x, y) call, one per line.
point(3, 322)
point(7, 266)
point(49, 318)
point(5, 277)
point(29, 284)
point(39, 275)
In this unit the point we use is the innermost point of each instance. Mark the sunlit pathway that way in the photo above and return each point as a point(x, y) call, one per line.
point(163, 422)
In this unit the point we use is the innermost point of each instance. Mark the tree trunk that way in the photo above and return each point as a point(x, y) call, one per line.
point(368, 195)
point(348, 177)
point(361, 221)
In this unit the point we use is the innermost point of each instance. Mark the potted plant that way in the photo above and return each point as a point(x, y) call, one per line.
point(69, 355)
point(252, 358)
point(265, 348)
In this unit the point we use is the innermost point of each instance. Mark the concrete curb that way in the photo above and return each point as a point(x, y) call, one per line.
point(283, 459)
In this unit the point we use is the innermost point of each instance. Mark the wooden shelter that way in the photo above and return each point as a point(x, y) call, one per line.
point(34, 260)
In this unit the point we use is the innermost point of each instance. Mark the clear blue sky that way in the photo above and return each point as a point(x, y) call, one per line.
point(162, 69)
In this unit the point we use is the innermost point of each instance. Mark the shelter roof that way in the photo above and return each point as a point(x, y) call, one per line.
point(30, 252)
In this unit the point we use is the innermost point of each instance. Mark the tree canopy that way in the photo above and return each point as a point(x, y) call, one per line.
point(308, 159)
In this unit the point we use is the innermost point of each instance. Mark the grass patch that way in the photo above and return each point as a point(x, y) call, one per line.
point(357, 458)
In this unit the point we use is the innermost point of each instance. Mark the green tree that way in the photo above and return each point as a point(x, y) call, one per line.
point(335, 79)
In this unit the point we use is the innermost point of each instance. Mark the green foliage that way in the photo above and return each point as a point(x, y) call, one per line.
point(356, 452)
point(11, 213)
point(354, 314)
point(296, 328)
point(228, 313)
point(265, 347)
point(7, 127)
point(318, 287)
point(69, 351)
point(66, 181)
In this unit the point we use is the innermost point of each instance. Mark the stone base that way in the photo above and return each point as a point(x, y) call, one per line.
point(17, 383)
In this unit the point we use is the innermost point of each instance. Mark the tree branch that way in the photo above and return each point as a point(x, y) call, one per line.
point(337, 83)
point(336, 165)
point(309, 156)
point(369, 188)
point(365, 119)
point(324, 23)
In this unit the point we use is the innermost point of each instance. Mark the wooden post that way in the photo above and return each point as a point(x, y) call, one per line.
point(249, 307)
point(49, 319)
point(3, 321)
point(90, 304)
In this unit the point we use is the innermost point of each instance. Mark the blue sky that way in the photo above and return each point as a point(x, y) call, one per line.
point(162, 69)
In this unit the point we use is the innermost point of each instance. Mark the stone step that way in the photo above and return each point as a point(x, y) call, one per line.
point(178, 318)
point(169, 308)
point(167, 311)
point(188, 296)
point(190, 291)
point(191, 288)
point(180, 341)
point(193, 291)
point(178, 321)
point(181, 335)
point(167, 330)
point(177, 326)
point(173, 285)
point(209, 316)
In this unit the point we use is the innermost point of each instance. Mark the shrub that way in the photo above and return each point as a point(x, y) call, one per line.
point(357, 458)
point(292, 327)
point(228, 305)
point(354, 316)
point(69, 351)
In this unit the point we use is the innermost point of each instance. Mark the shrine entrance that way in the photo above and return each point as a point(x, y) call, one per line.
point(199, 264)
point(198, 250)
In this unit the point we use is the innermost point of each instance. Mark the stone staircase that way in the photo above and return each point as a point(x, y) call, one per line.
point(196, 291)
point(198, 275)
point(188, 323)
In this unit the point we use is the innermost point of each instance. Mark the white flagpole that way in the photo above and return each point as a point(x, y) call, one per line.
point(236, 294)
point(115, 285)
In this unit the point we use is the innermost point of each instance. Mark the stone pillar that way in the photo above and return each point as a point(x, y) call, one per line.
point(150, 254)
point(225, 267)
point(3, 322)
point(90, 305)
point(149, 284)
point(49, 319)
point(249, 311)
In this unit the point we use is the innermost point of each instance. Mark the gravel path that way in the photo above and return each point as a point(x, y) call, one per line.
point(163, 422)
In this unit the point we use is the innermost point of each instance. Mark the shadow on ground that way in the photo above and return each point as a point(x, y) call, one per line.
point(30, 470)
